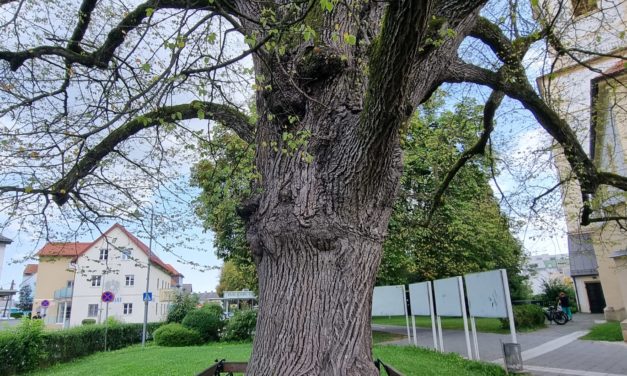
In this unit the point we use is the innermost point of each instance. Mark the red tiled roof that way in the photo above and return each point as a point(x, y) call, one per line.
point(154, 258)
point(63, 249)
point(30, 269)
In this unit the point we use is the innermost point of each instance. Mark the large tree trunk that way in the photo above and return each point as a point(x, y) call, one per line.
point(329, 160)
point(314, 314)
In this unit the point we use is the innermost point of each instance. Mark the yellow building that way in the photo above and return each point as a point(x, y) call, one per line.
point(588, 89)
point(55, 280)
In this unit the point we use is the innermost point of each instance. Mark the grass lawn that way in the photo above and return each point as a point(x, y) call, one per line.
point(609, 331)
point(483, 325)
point(171, 361)
point(378, 337)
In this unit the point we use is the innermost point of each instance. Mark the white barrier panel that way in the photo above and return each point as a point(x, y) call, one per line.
point(388, 301)
point(486, 294)
point(419, 299)
point(447, 293)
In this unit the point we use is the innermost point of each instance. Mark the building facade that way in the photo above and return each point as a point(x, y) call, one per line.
point(545, 267)
point(587, 88)
point(72, 278)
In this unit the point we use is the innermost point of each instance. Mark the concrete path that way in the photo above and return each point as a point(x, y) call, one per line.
point(553, 351)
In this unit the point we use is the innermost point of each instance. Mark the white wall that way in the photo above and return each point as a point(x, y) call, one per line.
point(113, 274)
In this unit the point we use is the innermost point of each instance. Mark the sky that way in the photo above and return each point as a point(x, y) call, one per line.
point(516, 136)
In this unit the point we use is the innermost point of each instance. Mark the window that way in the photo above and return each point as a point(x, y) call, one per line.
point(128, 308)
point(69, 284)
point(92, 310)
point(130, 280)
point(96, 280)
point(126, 253)
point(581, 7)
point(104, 254)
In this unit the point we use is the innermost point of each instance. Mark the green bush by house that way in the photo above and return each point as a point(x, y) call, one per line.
point(526, 316)
point(29, 347)
point(175, 334)
point(88, 322)
point(206, 321)
point(241, 327)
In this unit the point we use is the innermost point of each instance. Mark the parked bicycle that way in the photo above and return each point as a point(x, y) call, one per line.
point(556, 315)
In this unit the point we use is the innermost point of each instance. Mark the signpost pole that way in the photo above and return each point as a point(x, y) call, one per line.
point(413, 324)
point(508, 302)
point(406, 314)
point(473, 326)
point(152, 215)
point(463, 305)
point(432, 311)
point(440, 334)
point(106, 324)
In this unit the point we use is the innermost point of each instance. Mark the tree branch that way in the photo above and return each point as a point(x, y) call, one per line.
point(227, 115)
point(101, 57)
point(489, 110)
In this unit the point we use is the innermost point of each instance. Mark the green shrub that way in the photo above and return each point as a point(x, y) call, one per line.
point(88, 322)
point(183, 304)
point(206, 321)
point(526, 316)
point(175, 334)
point(28, 346)
point(241, 327)
point(17, 315)
point(20, 347)
point(551, 290)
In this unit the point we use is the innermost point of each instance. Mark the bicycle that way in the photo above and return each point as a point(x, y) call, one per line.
point(556, 315)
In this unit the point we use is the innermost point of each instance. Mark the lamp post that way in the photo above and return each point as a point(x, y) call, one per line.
point(152, 215)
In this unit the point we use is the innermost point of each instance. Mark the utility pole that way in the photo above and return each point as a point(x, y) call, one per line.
point(152, 216)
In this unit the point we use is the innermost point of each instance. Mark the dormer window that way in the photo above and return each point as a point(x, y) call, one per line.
point(104, 254)
point(126, 253)
point(581, 7)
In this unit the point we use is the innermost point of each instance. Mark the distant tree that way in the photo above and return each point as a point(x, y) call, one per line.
point(235, 277)
point(465, 230)
point(26, 298)
point(183, 304)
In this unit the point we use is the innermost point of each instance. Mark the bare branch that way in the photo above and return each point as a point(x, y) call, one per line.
point(231, 118)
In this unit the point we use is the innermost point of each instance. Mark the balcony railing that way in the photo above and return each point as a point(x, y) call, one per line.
point(65, 293)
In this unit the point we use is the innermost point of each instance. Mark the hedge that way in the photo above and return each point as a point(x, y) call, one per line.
point(29, 347)
point(526, 316)
point(176, 335)
point(241, 327)
point(206, 321)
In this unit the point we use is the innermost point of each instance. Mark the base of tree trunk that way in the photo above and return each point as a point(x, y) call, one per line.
point(240, 367)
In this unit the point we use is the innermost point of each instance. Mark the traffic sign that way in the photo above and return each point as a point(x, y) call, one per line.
point(45, 303)
point(107, 296)
point(148, 297)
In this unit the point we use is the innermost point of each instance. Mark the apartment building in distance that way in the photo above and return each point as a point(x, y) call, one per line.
point(587, 87)
point(75, 275)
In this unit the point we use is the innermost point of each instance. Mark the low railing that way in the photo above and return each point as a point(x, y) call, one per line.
point(65, 293)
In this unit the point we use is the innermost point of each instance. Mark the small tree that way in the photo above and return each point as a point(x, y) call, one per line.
point(183, 304)
point(26, 298)
point(552, 287)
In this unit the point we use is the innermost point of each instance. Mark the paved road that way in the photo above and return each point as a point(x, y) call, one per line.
point(547, 352)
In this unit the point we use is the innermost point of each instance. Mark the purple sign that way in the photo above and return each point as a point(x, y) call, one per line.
point(107, 297)
point(45, 303)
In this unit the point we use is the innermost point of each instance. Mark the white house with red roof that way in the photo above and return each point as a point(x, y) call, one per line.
point(117, 262)
point(72, 277)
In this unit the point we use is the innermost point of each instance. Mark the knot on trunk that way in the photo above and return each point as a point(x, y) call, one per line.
point(319, 63)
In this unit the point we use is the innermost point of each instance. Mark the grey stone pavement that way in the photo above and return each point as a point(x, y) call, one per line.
point(553, 351)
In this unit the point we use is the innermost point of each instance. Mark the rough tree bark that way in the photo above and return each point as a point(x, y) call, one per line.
point(317, 227)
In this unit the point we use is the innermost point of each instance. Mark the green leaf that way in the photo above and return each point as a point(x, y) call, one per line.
point(350, 39)
point(145, 67)
point(201, 114)
point(326, 5)
point(150, 11)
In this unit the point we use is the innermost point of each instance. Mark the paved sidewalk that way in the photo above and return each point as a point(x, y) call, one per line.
point(553, 351)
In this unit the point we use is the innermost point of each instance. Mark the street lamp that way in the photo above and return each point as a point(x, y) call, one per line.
point(152, 216)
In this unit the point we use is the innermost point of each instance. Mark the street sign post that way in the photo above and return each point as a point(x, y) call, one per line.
point(147, 297)
point(107, 297)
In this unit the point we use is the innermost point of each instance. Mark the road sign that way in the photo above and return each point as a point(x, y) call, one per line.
point(45, 303)
point(107, 296)
point(148, 297)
